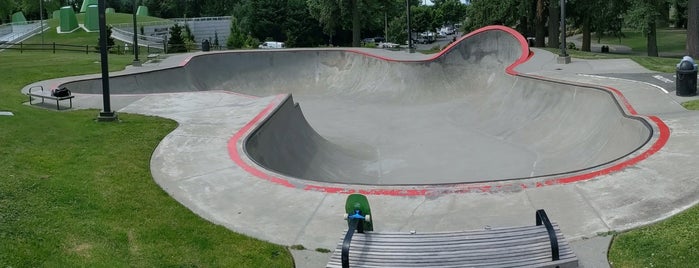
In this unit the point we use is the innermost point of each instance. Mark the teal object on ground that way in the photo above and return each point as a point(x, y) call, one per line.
point(18, 18)
point(109, 10)
point(56, 14)
point(91, 19)
point(142, 11)
point(86, 4)
point(68, 20)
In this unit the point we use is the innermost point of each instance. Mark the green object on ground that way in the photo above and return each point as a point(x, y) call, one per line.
point(109, 10)
point(142, 11)
point(56, 14)
point(86, 4)
point(359, 202)
point(19, 18)
point(68, 20)
point(92, 19)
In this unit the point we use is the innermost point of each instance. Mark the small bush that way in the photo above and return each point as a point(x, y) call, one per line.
point(369, 45)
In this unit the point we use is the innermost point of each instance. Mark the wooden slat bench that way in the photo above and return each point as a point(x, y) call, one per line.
point(47, 95)
point(540, 245)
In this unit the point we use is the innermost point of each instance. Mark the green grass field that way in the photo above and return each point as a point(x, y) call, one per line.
point(78, 193)
point(671, 42)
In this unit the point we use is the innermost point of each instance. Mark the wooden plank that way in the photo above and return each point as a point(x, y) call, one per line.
point(496, 247)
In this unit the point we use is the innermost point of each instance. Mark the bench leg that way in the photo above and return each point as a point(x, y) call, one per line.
point(58, 107)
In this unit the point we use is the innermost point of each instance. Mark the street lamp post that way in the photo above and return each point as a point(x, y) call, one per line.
point(136, 62)
point(564, 58)
point(106, 115)
point(41, 18)
point(410, 35)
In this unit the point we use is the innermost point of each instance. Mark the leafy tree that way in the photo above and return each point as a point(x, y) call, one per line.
point(680, 19)
point(110, 40)
point(6, 9)
point(422, 18)
point(644, 16)
point(176, 43)
point(397, 30)
point(554, 23)
point(299, 27)
point(492, 12)
point(236, 39)
point(450, 11)
point(349, 15)
point(187, 34)
point(597, 16)
point(262, 18)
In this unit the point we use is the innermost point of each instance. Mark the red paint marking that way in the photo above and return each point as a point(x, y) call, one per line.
point(663, 129)
point(235, 156)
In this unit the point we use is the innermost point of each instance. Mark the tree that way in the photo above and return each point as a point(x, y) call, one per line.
point(491, 12)
point(110, 40)
point(450, 11)
point(680, 7)
point(300, 28)
point(644, 16)
point(351, 15)
point(262, 19)
point(597, 16)
point(6, 9)
point(423, 19)
point(693, 28)
point(176, 42)
point(236, 39)
point(554, 23)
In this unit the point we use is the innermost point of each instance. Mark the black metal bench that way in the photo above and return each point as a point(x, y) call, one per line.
point(540, 245)
point(47, 95)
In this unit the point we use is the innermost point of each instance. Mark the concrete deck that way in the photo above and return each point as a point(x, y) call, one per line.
point(200, 164)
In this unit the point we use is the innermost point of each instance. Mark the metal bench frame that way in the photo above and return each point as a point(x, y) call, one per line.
point(355, 225)
point(43, 96)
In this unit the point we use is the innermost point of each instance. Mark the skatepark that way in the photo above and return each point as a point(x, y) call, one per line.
point(480, 135)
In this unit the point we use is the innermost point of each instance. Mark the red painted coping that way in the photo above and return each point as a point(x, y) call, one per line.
point(423, 190)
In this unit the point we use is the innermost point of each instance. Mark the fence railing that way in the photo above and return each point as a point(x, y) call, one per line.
point(53, 47)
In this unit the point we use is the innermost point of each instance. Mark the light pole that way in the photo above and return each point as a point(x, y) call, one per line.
point(41, 18)
point(564, 58)
point(106, 115)
point(136, 62)
point(410, 35)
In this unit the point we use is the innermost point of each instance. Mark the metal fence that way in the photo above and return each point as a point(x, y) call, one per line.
point(53, 47)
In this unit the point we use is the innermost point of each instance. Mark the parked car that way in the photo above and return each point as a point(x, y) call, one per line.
point(271, 44)
point(387, 45)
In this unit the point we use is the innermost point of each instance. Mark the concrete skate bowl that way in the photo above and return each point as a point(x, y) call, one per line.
point(463, 117)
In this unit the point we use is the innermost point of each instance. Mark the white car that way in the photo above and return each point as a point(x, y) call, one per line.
point(271, 44)
point(387, 45)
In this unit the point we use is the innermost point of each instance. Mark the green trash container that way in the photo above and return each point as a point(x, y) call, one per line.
point(686, 81)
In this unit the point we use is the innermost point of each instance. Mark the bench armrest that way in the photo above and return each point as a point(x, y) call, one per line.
point(542, 218)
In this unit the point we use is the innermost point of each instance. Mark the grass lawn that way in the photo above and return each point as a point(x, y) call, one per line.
point(670, 41)
point(77, 193)
point(658, 64)
point(670, 243)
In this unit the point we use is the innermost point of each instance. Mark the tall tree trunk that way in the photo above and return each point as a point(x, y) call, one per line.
point(587, 36)
point(652, 39)
point(693, 28)
point(555, 24)
point(356, 24)
point(540, 24)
